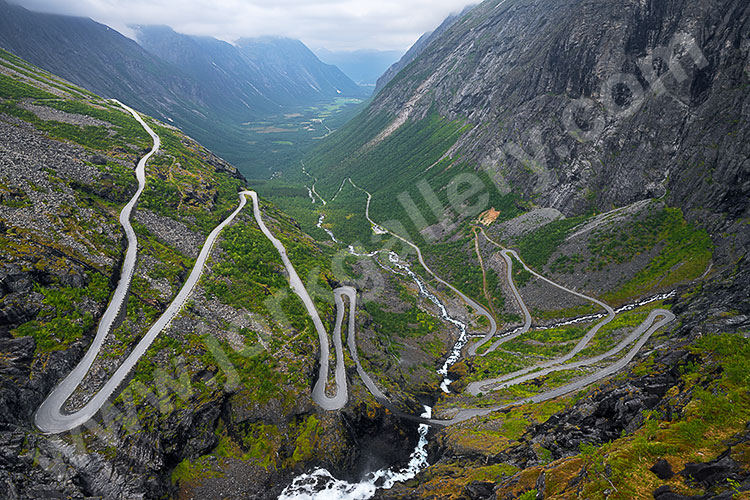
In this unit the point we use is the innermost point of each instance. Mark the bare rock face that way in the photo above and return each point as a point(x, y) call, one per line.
point(625, 100)
point(663, 470)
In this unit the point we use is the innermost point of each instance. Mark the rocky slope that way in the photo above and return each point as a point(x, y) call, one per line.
point(418, 47)
point(220, 405)
point(512, 72)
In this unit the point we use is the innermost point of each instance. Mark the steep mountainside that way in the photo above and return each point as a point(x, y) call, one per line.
point(418, 47)
point(607, 143)
point(607, 105)
point(291, 68)
point(548, 262)
point(666, 73)
point(97, 58)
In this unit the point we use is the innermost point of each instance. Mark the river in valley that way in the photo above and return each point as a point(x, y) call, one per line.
point(320, 484)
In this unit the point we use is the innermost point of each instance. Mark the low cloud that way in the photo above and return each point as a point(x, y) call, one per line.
point(331, 24)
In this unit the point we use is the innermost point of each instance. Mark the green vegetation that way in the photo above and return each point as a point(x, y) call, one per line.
point(345, 216)
point(410, 324)
point(251, 271)
point(304, 445)
point(395, 167)
point(89, 136)
point(62, 320)
point(486, 437)
point(520, 275)
point(611, 333)
point(127, 130)
point(170, 264)
point(566, 264)
point(10, 88)
point(570, 312)
point(259, 440)
point(718, 408)
point(184, 184)
point(40, 76)
point(294, 200)
point(498, 363)
point(273, 447)
point(685, 254)
point(122, 131)
point(278, 142)
point(529, 495)
point(193, 471)
point(456, 262)
point(664, 225)
point(259, 374)
point(537, 247)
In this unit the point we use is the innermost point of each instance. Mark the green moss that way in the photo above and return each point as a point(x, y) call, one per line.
point(718, 407)
point(685, 253)
point(537, 247)
point(529, 495)
point(62, 321)
point(193, 471)
point(262, 443)
point(304, 445)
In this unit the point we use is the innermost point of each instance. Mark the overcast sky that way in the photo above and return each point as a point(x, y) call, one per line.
point(331, 24)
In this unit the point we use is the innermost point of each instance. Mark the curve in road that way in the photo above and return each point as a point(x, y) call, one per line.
point(477, 307)
point(645, 330)
point(48, 417)
point(319, 390)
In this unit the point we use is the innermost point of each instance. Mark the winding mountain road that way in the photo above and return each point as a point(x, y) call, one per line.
point(639, 336)
point(319, 390)
point(378, 228)
point(50, 419)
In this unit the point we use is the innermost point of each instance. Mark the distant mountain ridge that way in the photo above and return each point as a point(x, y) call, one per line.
point(207, 87)
point(268, 72)
point(95, 57)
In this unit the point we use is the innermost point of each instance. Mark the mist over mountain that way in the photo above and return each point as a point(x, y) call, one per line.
point(272, 72)
point(99, 58)
point(362, 66)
